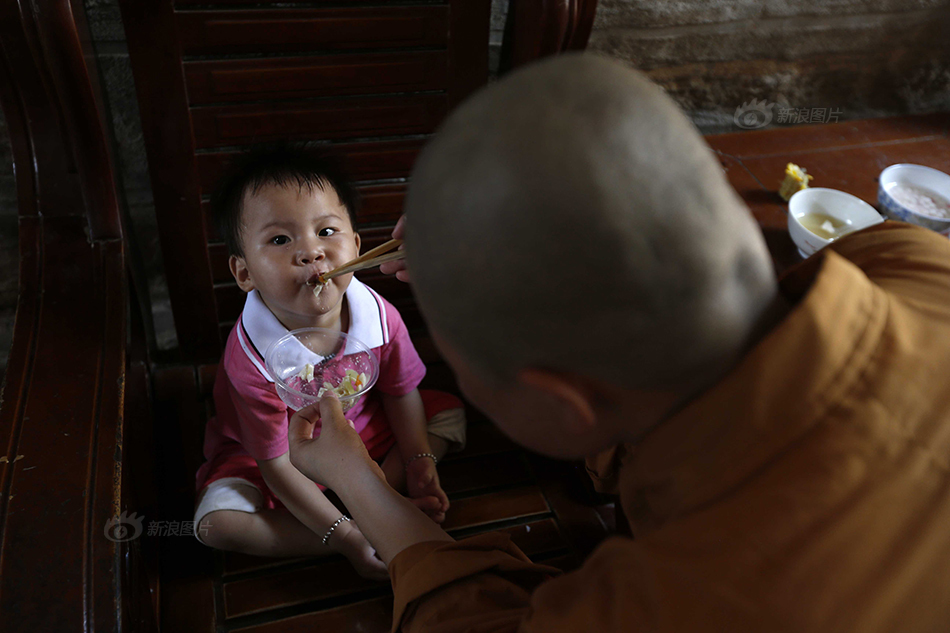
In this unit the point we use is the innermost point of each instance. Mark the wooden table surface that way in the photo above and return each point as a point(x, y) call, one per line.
point(848, 156)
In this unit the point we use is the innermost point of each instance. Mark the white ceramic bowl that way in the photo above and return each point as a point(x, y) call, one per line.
point(330, 352)
point(925, 178)
point(853, 211)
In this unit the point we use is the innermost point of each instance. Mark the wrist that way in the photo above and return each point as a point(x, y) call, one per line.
point(427, 456)
point(340, 539)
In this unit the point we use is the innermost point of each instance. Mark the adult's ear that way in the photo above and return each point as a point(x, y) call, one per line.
point(573, 395)
point(241, 273)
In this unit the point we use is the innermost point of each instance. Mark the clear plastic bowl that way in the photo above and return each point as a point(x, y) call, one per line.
point(330, 352)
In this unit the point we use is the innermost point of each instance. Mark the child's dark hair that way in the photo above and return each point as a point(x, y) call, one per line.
point(282, 164)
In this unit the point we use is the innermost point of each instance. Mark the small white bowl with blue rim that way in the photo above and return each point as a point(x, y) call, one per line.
point(898, 181)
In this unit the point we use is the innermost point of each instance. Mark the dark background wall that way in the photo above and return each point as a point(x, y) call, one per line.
point(847, 58)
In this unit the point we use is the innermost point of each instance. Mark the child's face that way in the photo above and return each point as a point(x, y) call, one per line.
point(290, 236)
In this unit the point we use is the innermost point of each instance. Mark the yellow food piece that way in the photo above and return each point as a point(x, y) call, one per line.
point(351, 384)
point(796, 179)
point(306, 374)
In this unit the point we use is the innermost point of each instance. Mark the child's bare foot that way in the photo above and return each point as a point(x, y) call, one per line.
point(422, 482)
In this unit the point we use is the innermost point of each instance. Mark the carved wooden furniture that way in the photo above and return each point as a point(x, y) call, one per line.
point(84, 518)
point(74, 421)
point(371, 82)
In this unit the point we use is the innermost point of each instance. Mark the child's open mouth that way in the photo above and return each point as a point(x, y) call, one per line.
point(317, 285)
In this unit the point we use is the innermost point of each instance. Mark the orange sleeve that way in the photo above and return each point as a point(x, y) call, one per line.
point(906, 260)
point(483, 583)
point(486, 585)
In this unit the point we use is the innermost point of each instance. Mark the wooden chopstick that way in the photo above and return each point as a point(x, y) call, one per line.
point(369, 259)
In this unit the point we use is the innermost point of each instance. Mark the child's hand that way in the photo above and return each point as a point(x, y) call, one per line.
point(422, 483)
point(360, 553)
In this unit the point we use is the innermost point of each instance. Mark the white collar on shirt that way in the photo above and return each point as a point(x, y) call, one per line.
point(367, 321)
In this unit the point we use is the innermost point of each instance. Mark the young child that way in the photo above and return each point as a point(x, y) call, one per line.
point(288, 216)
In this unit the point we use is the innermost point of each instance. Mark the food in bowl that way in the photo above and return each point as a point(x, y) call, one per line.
point(308, 362)
point(921, 201)
point(818, 216)
point(826, 226)
point(351, 384)
point(916, 194)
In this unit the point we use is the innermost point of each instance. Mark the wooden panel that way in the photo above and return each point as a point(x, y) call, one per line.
point(497, 506)
point(371, 616)
point(180, 415)
point(204, 32)
point(72, 286)
point(336, 118)
point(469, 47)
point(334, 577)
point(534, 538)
point(302, 77)
point(381, 203)
point(378, 204)
point(360, 161)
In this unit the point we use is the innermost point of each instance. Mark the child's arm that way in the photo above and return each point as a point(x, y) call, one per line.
point(311, 507)
point(407, 418)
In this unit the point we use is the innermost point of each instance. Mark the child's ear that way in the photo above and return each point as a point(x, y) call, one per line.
point(356, 237)
point(241, 273)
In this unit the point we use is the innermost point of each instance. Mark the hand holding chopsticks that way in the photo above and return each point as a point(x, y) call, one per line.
point(369, 259)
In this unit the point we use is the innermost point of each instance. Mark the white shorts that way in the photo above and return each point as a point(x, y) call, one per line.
point(228, 493)
point(235, 493)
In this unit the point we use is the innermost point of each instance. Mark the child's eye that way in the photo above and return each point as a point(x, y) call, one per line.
point(280, 240)
point(327, 232)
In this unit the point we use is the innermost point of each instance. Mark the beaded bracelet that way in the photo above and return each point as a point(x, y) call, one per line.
point(326, 537)
point(435, 460)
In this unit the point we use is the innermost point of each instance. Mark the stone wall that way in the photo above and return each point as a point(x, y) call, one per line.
point(837, 58)
point(853, 58)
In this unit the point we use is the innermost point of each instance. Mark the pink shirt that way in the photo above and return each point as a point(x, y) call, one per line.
point(252, 420)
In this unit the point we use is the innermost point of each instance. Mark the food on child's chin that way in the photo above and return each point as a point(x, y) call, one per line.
point(351, 384)
point(318, 288)
point(796, 179)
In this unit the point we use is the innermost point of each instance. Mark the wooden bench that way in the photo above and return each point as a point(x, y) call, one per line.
point(74, 418)
point(110, 443)
point(371, 83)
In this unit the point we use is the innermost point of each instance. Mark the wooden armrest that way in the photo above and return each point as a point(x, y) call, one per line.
point(67, 552)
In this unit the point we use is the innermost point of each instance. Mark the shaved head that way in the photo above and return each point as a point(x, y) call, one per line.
point(569, 217)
